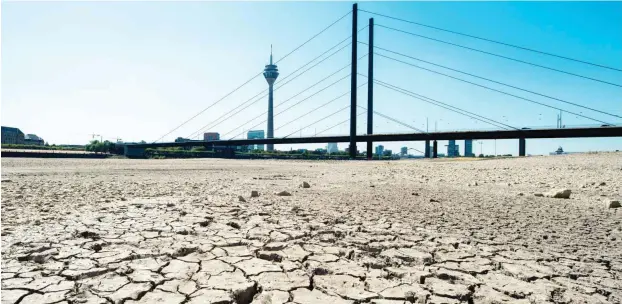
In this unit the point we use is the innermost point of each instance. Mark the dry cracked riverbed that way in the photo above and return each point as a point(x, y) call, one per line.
point(176, 231)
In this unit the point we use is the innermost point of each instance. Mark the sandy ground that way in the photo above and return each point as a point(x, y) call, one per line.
point(176, 231)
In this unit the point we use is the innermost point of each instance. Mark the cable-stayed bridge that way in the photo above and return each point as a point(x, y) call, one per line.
point(604, 123)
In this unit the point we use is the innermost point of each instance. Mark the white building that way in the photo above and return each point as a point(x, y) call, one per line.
point(255, 134)
point(332, 148)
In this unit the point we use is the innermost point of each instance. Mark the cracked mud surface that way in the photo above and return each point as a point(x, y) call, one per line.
point(176, 231)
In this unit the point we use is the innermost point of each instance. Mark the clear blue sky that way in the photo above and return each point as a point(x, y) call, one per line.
point(135, 70)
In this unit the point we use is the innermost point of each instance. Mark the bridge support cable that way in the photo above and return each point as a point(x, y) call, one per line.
point(317, 108)
point(395, 121)
point(447, 106)
point(313, 37)
point(336, 125)
point(375, 112)
point(497, 42)
point(502, 56)
point(494, 81)
point(213, 123)
point(254, 77)
point(495, 90)
point(322, 119)
point(299, 102)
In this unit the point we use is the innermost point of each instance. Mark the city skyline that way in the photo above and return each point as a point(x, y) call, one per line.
point(148, 88)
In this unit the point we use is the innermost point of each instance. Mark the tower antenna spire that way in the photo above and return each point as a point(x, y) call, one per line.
point(270, 54)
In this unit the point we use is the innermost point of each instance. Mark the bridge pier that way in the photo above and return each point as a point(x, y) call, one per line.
point(132, 152)
point(521, 146)
point(427, 149)
point(435, 149)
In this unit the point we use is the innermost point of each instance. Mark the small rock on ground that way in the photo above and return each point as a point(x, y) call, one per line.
point(562, 193)
point(284, 193)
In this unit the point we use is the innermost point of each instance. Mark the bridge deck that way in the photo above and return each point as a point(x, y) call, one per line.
point(456, 135)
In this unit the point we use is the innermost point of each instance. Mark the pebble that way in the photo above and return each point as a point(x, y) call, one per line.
point(284, 193)
point(241, 199)
point(614, 204)
point(254, 193)
point(306, 185)
point(561, 193)
point(233, 225)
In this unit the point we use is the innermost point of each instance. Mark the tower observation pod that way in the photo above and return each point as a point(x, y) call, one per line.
point(271, 72)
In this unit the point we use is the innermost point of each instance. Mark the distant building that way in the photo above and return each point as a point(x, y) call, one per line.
point(211, 136)
point(332, 148)
point(32, 139)
point(12, 136)
point(404, 151)
point(387, 152)
point(379, 150)
point(468, 148)
point(255, 134)
point(561, 151)
point(451, 148)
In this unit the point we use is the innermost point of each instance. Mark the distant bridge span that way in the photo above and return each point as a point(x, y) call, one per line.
point(605, 131)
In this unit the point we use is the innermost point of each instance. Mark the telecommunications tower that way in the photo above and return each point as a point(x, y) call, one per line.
point(270, 73)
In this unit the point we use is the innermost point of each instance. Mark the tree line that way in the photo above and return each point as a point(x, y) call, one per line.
point(104, 147)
